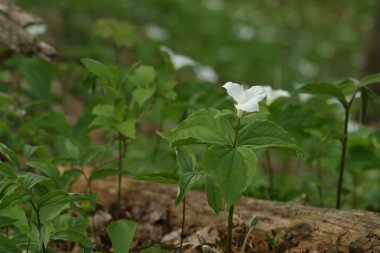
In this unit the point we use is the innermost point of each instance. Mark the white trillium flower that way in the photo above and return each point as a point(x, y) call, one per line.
point(206, 73)
point(179, 61)
point(247, 99)
point(156, 33)
point(272, 95)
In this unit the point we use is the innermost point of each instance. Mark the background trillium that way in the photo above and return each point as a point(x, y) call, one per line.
point(272, 94)
point(247, 99)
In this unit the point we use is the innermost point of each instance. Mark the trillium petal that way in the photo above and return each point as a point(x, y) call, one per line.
point(236, 91)
point(256, 92)
point(250, 106)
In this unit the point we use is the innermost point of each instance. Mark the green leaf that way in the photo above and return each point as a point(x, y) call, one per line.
point(8, 246)
point(47, 168)
point(231, 168)
point(98, 69)
point(31, 179)
point(6, 221)
point(7, 171)
point(184, 186)
point(29, 150)
point(143, 76)
point(371, 79)
point(214, 197)
point(104, 110)
point(262, 134)
point(103, 173)
point(185, 159)
point(72, 236)
point(121, 234)
point(127, 128)
point(141, 95)
point(51, 198)
point(48, 213)
point(71, 149)
point(161, 176)
point(12, 199)
point(372, 96)
point(326, 89)
point(204, 126)
point(10, 155)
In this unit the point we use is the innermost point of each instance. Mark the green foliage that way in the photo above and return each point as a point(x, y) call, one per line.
point(121, 234)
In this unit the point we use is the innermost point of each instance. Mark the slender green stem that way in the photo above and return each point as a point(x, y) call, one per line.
point(119, 179)
point(320, 180)
point(39, 225)
point(342, 158)
point(246, 240)
point(229, 229)
point(270, 172)
point(183, 224)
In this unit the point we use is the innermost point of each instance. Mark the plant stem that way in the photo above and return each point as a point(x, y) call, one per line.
point(270, 172)
point(119, 179)
point(343, 157)
point(320, 180)
point(246, 240)
point(38, 225)
point(183, 224)
point(229, 229)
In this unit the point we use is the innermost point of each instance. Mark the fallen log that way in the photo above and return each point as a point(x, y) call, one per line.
point(18, 30)
point(302, 228)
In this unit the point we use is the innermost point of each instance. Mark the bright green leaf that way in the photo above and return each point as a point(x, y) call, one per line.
point(31, 179)
point(262, 134)
point(143, 76)
point(9, 155)
point(204, 126)
point(231, 168)
point(7, 171)
point(141, 95)
point(98, 69)
point(371, 79)
point(72, 236)
point(121, 234)
point(326, 89)
point(127, 128)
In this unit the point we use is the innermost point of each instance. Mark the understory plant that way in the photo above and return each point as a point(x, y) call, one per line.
point(232, 139)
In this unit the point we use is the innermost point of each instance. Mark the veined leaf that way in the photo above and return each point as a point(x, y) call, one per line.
point(141, 95)
point(98, 69)
point(31, 179)
point(10, 155)
point(184, 186)
point(371, 79)
point(72, 236)
point(7, 171)
point(231, 168)
point(204, 126)
point(185, 159)
point(127, 128)
point(264, 134)
point(326, 89)
point(48, 168)
point(8, 246)
point(121, 234)
point(214, 197)
point(143, 76)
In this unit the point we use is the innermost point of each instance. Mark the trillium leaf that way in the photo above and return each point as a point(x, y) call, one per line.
point(204, 126)
point(141, 95)
point(326, 89)
point(121, 234)
point(231, 168)
point(184, 186)
point(264, 134)
point(98, 69)
point(185, 159)
point(214, 197)
point(371, 79)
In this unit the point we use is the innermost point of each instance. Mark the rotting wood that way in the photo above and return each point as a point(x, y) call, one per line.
point(15, 35)
point(303, 228)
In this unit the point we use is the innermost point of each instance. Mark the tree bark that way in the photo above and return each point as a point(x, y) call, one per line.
point(303, 228)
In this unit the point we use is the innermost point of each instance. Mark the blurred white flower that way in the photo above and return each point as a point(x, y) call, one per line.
point(36, 29)
point(353, 126)
point(202, 72)
point(244, 32)
point(156, 33)
point(247, 99)
point(272, 95)
point(304, 97)
point(213, 5)
point(206, 73)
point(179, 61)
